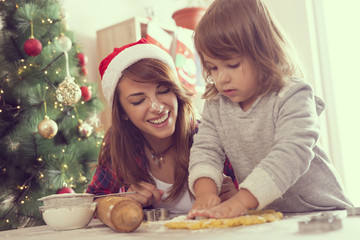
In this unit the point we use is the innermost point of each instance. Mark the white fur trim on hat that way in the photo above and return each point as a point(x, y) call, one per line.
point(126, 58)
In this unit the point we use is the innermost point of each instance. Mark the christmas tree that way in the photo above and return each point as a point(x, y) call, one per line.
point(50, 135)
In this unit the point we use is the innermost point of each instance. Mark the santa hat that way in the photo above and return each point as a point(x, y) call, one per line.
point(112, 66)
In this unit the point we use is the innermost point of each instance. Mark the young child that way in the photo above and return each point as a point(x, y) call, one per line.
point(262, 115)
point(146, 150)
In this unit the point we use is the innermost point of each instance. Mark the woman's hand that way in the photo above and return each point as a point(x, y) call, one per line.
point(146, 194)
point(228, 189)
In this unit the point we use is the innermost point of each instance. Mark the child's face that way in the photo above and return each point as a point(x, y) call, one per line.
point(235, 79)
point(150, 106)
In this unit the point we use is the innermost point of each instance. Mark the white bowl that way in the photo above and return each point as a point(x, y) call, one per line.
point(68, 217)
point(67, 199)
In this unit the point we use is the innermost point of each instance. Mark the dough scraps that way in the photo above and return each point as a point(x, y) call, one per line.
point(250, 218)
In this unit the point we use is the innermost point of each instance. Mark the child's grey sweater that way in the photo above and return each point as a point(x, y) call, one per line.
point(273, 148)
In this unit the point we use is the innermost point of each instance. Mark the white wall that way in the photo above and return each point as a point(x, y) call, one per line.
point(341, 64)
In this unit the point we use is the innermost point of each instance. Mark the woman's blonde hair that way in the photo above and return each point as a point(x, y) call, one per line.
point(123, 140)
point(245, 28)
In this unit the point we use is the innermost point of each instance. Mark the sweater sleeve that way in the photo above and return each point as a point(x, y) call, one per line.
point(296, 133)
point(207, 156)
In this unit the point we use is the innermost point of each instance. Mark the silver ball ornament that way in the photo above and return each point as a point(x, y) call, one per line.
point(64, 43)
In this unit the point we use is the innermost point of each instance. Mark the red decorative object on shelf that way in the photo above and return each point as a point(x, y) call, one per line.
point(188, 17)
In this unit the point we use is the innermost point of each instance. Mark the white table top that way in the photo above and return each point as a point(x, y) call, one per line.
point(286, 228)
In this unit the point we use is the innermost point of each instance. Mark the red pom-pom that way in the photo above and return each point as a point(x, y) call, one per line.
point(84, 71)
point(32, 47)
point(86, 93)
point(82, 59)
point(65, 190)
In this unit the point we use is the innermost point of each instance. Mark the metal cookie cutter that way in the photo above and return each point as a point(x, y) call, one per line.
point(159, 214)
point(321, 223)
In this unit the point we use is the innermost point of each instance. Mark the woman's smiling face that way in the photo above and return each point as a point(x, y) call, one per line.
point(152, 107)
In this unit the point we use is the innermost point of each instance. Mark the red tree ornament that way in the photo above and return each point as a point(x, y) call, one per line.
point(84, 71)
point(32, 47)
point(82, 59)
point(65, 190)
point(86, 93)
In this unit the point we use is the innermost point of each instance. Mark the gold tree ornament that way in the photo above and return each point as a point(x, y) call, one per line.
point(47, 128)
point(68, 92)
point(82, 179)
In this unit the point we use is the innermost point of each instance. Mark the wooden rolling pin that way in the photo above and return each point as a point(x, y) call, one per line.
point(119, 213)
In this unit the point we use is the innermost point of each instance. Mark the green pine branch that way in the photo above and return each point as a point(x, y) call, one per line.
point(31, 166)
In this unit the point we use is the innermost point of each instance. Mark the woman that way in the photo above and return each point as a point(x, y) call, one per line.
point(147, 148)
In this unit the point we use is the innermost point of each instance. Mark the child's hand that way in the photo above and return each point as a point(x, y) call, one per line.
point(228, 209)
point(203, 202)
point(236, 206)
point(228, 189)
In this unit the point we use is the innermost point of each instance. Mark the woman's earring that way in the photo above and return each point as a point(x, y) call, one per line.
point(125, 118)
